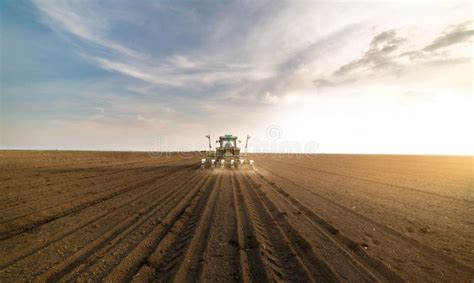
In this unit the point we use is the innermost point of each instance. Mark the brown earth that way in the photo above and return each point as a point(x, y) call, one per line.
point(136, 217)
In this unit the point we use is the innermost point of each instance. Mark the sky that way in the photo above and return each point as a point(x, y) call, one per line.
point(389, 77)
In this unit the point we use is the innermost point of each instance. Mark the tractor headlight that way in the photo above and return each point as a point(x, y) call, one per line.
point(213, 161)
point(251, 162)
point(232, 161)
point(203, 161)
point(222, 161)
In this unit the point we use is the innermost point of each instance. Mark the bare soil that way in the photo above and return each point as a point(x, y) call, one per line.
point(80, 216)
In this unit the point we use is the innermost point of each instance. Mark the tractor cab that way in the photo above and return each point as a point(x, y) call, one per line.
point(227, 148)
point(227, 153)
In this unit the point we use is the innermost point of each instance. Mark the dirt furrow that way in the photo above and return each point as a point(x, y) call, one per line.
point(127, 217)
point(190, 268)
point(400, 246)
point(107, 243)
point(442, 225)
point(104, 213)
point(85, 193)
point(281, 259)
point(130, 265)
point(25, 222)
point(221, 258)
point(413, 190)
point(339, 247)
point(32, 187)
point(31, 199)
point(252, 267)
point(316, 268)
point(45, 216)
point(163, 263)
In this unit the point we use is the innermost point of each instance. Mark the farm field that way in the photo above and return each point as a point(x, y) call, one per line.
point(120, 216)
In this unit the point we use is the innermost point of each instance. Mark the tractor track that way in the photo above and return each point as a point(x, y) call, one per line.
point(278, 263)
point(97, 252)
point(166, 220)
point(133, 261)
point(421, 250)
point(221, 251)
point(408, 210)
point(164, 260)
point(189, 268)
point(313, 266)
point(373, 269)
point(252, 266)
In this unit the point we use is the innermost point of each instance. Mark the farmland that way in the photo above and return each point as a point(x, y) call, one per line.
point(138, 217)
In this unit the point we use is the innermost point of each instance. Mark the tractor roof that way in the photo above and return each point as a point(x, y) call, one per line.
point(227, 137)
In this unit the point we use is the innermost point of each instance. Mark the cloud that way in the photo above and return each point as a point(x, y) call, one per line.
point(386, 39)
point(92, 28)
point(138, 73)
point(388, 54)
point(459, 34)
point(196, 49)
point(184, 74)
point(183, 62)
point(271, 99)
point(187, 49)
point(95, 24)
point(379, 55)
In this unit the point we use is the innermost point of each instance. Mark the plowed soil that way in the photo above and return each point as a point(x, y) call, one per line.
point(135, 217)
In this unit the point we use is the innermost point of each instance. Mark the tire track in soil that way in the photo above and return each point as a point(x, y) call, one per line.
point(221, 258)
point(103, 246)
point(275, 262)
point(198, 184)
point(134, 259)
point(56, 239)
point(409, 244)
point(375, 269)
point(252, 266)
point(305, 265)
point(410, 214)
point(163, 262)
point(189, 269)
point(12, 259)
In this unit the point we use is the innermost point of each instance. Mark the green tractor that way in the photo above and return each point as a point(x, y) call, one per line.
point(227, 154)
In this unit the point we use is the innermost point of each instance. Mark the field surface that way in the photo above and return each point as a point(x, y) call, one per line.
point(134, 217)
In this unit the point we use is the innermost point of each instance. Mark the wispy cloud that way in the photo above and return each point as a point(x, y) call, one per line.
point(460, 33)
point(81, 22)
point(237, 58)
point(388, 54)
point(379, 55)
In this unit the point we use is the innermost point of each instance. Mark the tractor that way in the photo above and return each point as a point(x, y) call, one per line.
point(227, 154)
